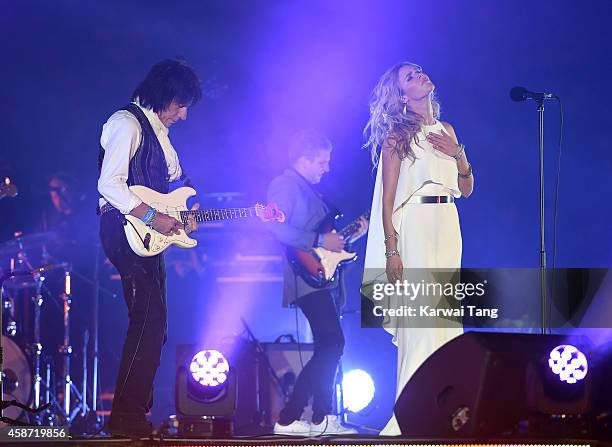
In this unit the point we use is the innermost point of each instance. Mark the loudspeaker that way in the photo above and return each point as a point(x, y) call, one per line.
point(491, 384)
point(286, 361)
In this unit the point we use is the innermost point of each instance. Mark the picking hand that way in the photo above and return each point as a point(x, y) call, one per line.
point(166, 225)
point(333, 242)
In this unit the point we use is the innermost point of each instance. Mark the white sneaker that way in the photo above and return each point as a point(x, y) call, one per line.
point(296, 428)
point(330, 426)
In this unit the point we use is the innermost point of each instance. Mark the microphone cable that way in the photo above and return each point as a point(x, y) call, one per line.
point(556, 205)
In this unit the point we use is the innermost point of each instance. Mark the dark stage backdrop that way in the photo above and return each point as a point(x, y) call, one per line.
point(271, 67)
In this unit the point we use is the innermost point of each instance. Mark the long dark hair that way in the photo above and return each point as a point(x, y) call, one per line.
point(169, 80)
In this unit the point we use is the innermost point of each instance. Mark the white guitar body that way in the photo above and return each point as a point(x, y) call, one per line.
point(330, 260)
point(144, 240)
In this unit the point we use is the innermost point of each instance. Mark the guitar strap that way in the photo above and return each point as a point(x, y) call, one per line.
point(186, 179)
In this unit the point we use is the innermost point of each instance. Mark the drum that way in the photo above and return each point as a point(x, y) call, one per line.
point(18, 315)
point(16, 379)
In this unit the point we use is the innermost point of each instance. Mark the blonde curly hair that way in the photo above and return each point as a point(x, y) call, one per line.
point(389, 119)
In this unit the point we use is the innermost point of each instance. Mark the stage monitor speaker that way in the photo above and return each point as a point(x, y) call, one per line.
point(286, 360)
point(491, 384)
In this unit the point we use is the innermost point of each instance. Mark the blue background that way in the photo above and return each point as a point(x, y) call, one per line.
point(269, 68)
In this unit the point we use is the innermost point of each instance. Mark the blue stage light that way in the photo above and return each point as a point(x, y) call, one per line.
point(209, 368)
point(568, 363)
point(358, 390)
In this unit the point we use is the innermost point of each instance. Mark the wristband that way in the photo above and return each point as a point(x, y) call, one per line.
point(148, 215)
point(152, 219)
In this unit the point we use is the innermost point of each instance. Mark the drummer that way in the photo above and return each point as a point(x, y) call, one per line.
point(62, 206)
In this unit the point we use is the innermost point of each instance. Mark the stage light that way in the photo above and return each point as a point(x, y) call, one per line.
point(205, 386)
point(358, 390)
point(568, 363)
point(209, 368)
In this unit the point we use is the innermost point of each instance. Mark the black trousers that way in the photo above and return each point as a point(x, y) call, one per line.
point(319, 374)
point(144, 291)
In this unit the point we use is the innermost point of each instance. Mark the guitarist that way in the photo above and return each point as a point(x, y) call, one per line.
point(304, 210)
point(135, 150)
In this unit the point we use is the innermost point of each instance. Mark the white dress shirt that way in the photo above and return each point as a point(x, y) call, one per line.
point(121, 137)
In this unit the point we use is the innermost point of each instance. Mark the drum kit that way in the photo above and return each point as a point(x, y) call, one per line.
point(36, 379)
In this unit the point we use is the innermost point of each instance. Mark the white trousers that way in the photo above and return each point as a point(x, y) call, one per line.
point(430, 237)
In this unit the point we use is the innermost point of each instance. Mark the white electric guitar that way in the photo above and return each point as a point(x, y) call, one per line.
point(147, 242)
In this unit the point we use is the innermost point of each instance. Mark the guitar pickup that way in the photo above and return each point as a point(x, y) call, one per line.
point(147, 241)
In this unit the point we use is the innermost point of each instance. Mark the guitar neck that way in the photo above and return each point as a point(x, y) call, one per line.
point(211, 215)
point(351, 228)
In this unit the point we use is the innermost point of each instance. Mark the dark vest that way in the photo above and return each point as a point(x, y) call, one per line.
point(148, 165)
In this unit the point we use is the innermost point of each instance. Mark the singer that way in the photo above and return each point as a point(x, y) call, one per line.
point(414, 223)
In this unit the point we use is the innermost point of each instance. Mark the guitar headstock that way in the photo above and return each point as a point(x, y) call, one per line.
point(270, 212)
point(7, 189)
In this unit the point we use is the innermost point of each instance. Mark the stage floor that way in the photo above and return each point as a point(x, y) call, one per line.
point(358, 440)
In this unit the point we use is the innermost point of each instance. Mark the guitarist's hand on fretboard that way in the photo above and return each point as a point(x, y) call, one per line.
point(191, 224)
point(333, 242)
point(363, 229)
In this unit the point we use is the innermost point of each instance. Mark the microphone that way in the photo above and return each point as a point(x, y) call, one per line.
point(521, 94)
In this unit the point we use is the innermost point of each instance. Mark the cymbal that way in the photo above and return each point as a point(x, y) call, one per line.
point(27, 242)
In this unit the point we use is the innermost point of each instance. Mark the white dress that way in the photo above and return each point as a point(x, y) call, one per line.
point(429, 236)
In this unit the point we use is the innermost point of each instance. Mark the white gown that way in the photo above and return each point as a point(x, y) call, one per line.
point(429, 236)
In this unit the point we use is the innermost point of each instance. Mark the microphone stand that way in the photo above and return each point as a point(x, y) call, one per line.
point(521, 94)
point(543, 298)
